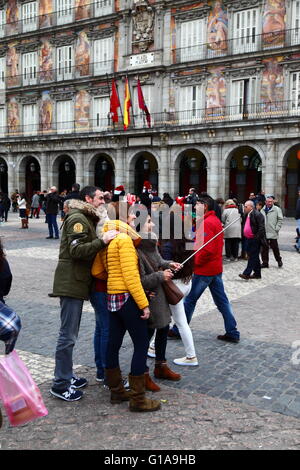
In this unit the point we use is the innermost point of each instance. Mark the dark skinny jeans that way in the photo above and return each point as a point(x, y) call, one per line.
point(160, 342)
point(128, 318)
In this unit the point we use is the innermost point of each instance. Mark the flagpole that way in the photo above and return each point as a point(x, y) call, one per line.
point(131, 96)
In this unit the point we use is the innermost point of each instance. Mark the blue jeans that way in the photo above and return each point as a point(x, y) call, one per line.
point(99, 302)
point(216, 287)
point(52, 224)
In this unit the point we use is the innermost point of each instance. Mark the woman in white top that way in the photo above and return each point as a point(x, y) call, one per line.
point(22, 210)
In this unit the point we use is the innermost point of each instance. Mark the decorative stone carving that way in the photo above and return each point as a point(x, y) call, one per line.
point(142, 24)
point(193, 13)
point(64, 40)
point(101, 33)
point(237, 5)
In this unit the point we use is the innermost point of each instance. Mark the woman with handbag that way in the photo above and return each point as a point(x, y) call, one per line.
point(176, 250)
point(155, 272)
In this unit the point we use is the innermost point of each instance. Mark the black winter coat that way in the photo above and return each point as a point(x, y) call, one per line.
point(5, 279)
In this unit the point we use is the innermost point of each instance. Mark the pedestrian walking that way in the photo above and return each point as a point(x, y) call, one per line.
point(35, 205)
point(14, 200)
point(273, 222)
point(233, 234)
point(208, 273)
point(154, 271)
point(128, 306)
point(255, 234)
point(22, 204)
point(297, 217)
point(52, 201)
point(5, 274)
point(72, 283)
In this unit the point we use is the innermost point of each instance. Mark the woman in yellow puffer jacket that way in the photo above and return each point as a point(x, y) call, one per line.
point(128, 306)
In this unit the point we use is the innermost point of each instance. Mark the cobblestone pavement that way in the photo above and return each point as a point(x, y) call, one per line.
point(241, 396)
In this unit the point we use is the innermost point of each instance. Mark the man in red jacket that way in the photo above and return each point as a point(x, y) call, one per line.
point(208, 269)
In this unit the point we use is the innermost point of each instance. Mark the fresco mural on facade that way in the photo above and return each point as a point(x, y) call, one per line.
point(272, 91)
point(12, 66)
point(12, 17)
point(82, 9)
point(46, 112)
point(46, 62)
point(13, 117)
point(215, 92)
point(217, 27)
point(273, 27)
point(45, 13)
point(82, 54)
point(82, 110)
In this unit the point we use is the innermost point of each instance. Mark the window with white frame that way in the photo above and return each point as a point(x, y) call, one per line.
point(139, 114)
point(101, 109)
point(2, 121)
point(65, 116)
point(30, 119)
point(2, 22)
point(245, 31)
point(243, 98)
point(64, 11)
point(295, 92)
point(190, 104)
point(295, 33)
point(64, 62)
point(29, 68)
point(2, 72)
point(103, 7)
point(103, 55)
point(192, 39)
point(29, 16)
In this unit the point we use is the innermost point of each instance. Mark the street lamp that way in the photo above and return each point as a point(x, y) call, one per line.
point(146, 164)
point(192, 163)
point(32, 167)
point(246, 161)
point(104, 165)
point(67, 167)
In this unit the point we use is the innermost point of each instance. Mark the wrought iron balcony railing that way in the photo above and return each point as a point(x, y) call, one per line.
point(193, 117)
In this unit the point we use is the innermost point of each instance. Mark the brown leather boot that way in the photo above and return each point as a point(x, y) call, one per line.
point(138, 401)
point(162, 371)
point(149, 384)
point(118, 394)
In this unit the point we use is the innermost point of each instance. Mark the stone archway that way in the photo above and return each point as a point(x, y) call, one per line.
point(192, 171)
point(64, 172)
point(291, 179)
point(3, 175)
point(104, 172)
point(244, 166)
point(145, 169)
point(29, 175)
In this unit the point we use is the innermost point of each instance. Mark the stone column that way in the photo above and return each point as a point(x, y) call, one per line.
point(269, 175)
point(79, 169)
point(44, 172)
point(120, 177)
point(11, 179)
point(163, 172)
point(213, 172)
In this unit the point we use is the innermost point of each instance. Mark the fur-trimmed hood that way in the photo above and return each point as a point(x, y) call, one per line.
point(86, 208)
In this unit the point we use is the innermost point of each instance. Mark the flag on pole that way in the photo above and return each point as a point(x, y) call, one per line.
point(127, 105)
point(114, 102)
point(142, 104)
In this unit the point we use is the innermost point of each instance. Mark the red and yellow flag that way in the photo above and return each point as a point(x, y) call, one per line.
point(127, 105)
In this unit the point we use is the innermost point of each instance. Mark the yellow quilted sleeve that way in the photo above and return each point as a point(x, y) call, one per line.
point(98, 268)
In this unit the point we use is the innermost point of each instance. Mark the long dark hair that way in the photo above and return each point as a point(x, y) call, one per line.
point(2, 255)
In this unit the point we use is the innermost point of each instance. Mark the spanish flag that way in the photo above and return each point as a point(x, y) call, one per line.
point(127, 105)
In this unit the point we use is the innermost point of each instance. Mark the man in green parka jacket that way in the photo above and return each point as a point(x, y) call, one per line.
point(72, 283)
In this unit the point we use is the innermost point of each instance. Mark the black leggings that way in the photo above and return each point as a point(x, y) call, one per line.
point(128, 318)
point(160, 342)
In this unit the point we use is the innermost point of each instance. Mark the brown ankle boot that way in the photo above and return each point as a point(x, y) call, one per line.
point(115, 384)
point(149, 384)
point(162, 371)
point(138, 401)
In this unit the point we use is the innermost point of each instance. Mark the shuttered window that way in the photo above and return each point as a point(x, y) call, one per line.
point(64, 62)
point(65, 116)
point(192, 34)
point(243, 98)
point(29, 68)
point(2, 72)
point(103, 56)
point(64, 11)
point(245, 31)
point(190, 104)
point(295, 92)
point(2, 121)
point(30, 119)
point(103, 7)
point(295, 36)
point(29, 16)
point(101, 108)
point(2, 22)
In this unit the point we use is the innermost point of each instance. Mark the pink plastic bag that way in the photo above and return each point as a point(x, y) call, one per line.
point(19, 393)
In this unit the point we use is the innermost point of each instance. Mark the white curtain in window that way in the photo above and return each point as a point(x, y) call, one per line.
point(245, 31)
point(101, 107)
point(192, 38)
point(30, 119)
point(65, 116)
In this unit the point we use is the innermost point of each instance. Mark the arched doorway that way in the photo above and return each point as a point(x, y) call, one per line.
point(245, 168)
point(145, 170)
point(292, 180)
point(32, 176)
point(104, 173)
point(66, 173)
point(192, 172)
point(3, 176)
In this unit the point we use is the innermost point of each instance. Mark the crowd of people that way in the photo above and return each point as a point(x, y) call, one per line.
point(114, 252)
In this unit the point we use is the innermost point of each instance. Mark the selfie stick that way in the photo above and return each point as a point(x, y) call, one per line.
point(193, 254)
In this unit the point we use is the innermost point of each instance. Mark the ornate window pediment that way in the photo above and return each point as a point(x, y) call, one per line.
point(237, 5)
point(101, 33)
point(65, 40)
point(195, 79)
point(193, 14)
point(28, 47)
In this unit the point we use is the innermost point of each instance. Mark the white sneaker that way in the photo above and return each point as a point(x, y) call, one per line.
point(151, 352)
point(186, 361)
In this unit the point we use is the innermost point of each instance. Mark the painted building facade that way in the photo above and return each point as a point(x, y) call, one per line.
point(221, 80)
